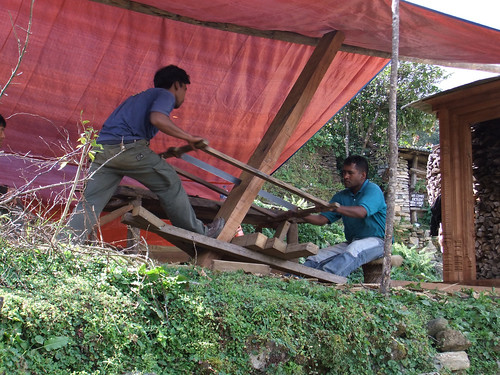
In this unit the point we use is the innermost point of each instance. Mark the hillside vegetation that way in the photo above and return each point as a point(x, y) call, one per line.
point(95, 311)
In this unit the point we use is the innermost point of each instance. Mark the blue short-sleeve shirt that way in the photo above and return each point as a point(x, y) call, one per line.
point(130, 120)
point(370, 197)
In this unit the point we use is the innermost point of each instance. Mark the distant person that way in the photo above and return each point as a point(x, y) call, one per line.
point(436, 228)
point(362, 210)
point(3, 125)
point(125, 138)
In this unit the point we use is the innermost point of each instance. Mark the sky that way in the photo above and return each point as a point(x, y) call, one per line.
point(484, 12)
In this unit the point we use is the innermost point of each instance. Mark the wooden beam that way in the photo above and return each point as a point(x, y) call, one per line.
point(103, 220)
point(143, 219)
point(201, 181)
point(282, 230)
point(285, 36)
point(257, 173)
point(298, 250)
point(282, 127)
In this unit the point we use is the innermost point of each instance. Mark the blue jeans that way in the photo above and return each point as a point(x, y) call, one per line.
point(343, 258)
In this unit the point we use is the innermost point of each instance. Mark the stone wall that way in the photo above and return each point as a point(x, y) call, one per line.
point(402, 202)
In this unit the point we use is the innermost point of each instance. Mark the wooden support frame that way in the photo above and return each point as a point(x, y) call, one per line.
point(279, 132)
point(192, 243)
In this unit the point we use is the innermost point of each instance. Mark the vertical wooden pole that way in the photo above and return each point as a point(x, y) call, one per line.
point(393, 151)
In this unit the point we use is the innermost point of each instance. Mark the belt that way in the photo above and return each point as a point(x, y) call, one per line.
point(115, 143)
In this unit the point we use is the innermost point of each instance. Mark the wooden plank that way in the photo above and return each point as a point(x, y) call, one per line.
point(274, 247)
point(256, 172)
point(228, 266)
point(282, 230)
point(277, 135)
point(300, 250)
point(292, 236)
point(445, 287)
point(259, 242)
point(201, 181)
point(103, 220)
point(141, 218)
point(252, 241)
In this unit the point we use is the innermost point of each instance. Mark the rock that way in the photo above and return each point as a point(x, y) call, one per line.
point(413, 241)
point(451, 340)
point(430, 248)
point(436, 325)
point(454, 361)
point(398, 350)
point(264, 354)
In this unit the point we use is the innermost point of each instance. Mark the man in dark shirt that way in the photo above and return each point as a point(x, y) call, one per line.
point(125, 138)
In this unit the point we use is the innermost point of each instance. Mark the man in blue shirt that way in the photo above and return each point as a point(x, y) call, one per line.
point(362, 209)
point(125, 138)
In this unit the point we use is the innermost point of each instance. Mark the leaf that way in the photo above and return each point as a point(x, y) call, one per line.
point(56, 342)
point(39, 339)
point(62, 164)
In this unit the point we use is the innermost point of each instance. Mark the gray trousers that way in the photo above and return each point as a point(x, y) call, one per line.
point(138, 161)
point(343, 258)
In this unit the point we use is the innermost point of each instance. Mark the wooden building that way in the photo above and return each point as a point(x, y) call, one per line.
point(458, 110)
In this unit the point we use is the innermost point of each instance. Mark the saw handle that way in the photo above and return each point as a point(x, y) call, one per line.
point(178, 151)
point(290, 214)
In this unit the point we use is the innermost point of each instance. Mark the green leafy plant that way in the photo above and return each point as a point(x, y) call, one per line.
point(94, 311)
point(416, 266)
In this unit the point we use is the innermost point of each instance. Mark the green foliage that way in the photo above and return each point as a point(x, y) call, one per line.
point(416, 266)
point(67, 312)
point(361, 125)
point(306, 171)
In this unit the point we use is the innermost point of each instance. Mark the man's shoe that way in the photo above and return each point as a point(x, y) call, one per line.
point(215, 227)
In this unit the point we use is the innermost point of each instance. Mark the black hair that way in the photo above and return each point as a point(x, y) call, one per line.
point(360, 162)
point(3, 124)
point(168, 75)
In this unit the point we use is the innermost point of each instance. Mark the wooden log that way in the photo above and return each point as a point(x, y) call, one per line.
point(193, 242)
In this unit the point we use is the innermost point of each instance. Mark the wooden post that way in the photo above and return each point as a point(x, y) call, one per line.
point(274, 141)
point(393, 151)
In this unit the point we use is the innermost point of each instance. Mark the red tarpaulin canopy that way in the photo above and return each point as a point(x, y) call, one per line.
point(85, 57)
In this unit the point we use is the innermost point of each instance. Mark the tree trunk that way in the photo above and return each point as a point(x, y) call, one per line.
point(347, 134)
point(393, 151)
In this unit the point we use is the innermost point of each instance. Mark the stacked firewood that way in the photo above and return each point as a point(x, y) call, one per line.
point(486, 171)
point(433, 176)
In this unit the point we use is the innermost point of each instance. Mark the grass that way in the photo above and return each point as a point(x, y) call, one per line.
point(94, 311)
